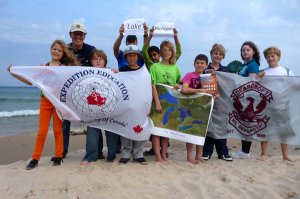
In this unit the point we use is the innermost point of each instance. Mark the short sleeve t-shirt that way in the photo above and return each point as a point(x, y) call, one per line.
point(165, 74)
point(192, 79)
point(249, 67)
point(278, 71)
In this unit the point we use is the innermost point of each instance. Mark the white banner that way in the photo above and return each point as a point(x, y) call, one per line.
point(97, 97)
point(164, 29)
point(134, 27)
point(251, 108)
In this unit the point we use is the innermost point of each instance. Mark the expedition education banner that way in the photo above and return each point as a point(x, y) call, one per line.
point(258, 109)
point(97, 97)
point(184, 117)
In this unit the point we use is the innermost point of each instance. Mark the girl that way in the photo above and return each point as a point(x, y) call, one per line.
point(60, 55)
point(94, 139)
point(251, 57)
point(164, 72)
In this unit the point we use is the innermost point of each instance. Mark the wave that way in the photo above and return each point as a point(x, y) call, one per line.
point(19, 113)
point(19, 99)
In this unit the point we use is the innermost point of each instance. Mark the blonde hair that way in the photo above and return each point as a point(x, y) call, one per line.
point(171, 46)
point(218, 48)
point(68, 58)
point(99, 53)
point(271, 50)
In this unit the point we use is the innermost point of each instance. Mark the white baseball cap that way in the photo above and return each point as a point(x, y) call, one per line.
point(77, 27)
point(132, 49)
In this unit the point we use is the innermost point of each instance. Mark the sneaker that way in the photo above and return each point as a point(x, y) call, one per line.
point(110, 160)
point(123, 160)
point(240, 155)
point(225, 157)
point(205, 157)
point(53, 157)
point(141, 161)
point(32, 164)
point(57, 161)
point(100, 157)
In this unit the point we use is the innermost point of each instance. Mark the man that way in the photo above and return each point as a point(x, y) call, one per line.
point(130, 40)
point(83, 52)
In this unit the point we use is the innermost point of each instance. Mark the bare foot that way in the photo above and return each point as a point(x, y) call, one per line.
point(193, 161)
point(200, 159)
point(263, 157)
point(288, 159)
point(159, 160)
point(84, 163)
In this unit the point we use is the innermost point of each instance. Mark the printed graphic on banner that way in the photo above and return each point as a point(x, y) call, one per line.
point(97, 97)
point(184, 117)
point(257, 109)
point(248, 118)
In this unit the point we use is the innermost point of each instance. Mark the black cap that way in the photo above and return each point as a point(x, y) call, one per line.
point(131, 37)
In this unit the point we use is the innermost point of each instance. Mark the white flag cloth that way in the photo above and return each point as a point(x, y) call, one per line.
point(251, 108)
point(97, 97)
point(164, 29)
point(134, 27)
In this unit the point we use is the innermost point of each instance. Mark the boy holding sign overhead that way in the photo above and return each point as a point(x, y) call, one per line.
point(131, 28)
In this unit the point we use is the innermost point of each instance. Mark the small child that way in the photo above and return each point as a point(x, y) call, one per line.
point(132, 147)
point(164, 72)
point(60, 55)
point(94, 139)
point(191, 83)
point(272, 55)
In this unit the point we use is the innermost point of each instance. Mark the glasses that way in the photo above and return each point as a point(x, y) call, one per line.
point(78, 33)
point(99, 59)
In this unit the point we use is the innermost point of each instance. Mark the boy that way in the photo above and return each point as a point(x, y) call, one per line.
point(272, 55)
point(130, 40)
point(191, 83)
point(132, 147)
point(217, 54)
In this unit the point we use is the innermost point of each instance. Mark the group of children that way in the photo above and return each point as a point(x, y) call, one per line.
point(161, 63)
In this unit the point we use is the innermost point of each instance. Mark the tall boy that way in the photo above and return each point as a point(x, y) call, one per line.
point(130, 40)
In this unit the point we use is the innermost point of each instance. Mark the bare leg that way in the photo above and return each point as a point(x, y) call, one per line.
point(189, 155)
point(156, 147)
point(164, 147)
point(284, 150)
point(264, 145)
point(199, 149)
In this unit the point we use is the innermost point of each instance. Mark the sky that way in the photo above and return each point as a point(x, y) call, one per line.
point(27, 28)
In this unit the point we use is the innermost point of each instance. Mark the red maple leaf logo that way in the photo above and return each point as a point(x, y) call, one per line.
point(95, 99)
point(138, 129)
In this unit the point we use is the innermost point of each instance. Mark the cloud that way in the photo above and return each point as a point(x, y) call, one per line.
point(24, 31)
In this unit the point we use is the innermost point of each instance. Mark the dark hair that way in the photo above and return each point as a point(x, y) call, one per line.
point(201, 57)
point(131, 37)
point(256, 55)
point(153, 48)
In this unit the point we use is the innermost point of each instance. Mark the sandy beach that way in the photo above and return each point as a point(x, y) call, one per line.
point(252, 178)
